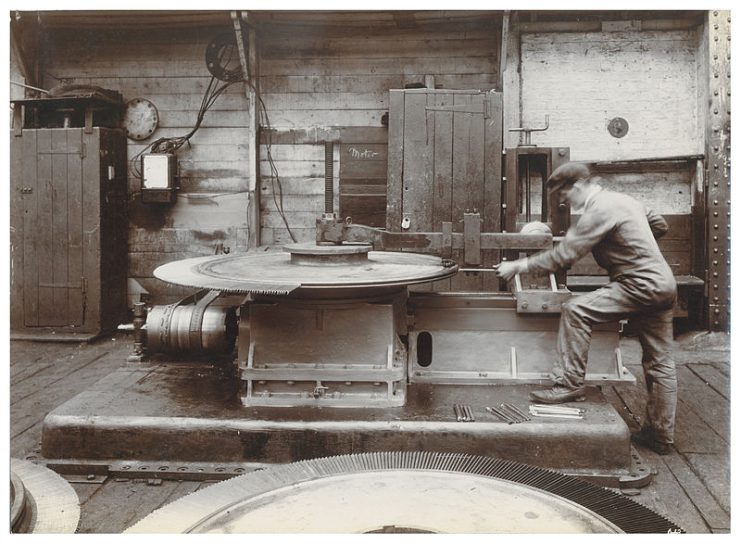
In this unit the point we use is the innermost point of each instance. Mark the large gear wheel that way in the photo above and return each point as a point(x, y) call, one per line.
point(404, 492)
point(307, 267)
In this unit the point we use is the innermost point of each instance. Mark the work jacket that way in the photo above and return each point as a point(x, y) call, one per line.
point(621, 233)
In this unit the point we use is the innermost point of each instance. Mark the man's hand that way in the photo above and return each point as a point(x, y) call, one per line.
point(507, 270)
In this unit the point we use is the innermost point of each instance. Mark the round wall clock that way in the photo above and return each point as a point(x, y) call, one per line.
point(141, 118)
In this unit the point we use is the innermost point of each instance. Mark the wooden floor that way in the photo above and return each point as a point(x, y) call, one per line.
point(691, 486)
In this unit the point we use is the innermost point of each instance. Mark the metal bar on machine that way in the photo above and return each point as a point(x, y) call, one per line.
point(513, 361)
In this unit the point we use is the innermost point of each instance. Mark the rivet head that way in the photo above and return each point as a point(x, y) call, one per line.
point(716, 323)
point(715, 214)
point(715, 274)
point(715, 286)
point(715, 250)
point(715, 226)
point(715, 202)
point(715, 92)
point(715, 299)
point(715, 75)
point(715, 263)
point(715, 112)
point(715, 238)
point(715, 13)
point(717, 311)
point(715, 26)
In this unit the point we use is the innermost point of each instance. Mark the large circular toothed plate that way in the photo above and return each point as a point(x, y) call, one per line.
point(404, 492)
point(282, 272)
point(41, 500)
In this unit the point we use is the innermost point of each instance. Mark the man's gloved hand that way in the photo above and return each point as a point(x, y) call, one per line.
point(507, 269)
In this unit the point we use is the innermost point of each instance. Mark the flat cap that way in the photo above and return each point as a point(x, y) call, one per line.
point(567, 174)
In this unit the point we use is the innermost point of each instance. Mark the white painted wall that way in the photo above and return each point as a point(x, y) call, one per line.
point(583, 80)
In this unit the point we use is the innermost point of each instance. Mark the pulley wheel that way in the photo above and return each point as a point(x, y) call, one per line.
point(41, 501)
point(404, 492)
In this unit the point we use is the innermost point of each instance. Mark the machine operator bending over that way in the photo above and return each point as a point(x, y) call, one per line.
point(621, 233)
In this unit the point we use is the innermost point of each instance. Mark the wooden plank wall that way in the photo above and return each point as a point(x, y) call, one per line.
point(168, 68)
point(585, 79)
point(320, 77)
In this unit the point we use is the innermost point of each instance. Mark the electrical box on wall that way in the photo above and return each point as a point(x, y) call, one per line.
point(158, 178)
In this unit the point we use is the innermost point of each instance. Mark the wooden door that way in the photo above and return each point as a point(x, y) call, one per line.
point(445, 152)
point(52, 210)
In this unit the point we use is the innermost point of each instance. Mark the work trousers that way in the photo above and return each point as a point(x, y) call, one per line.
point(653, 323)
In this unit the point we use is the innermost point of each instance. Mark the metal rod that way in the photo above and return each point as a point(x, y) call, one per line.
point(517, 410)
point(501, 415)
point(498, 414)
point(564, 416)
point(30, 87)
point(556, 408)
point(507, 409)
point(469, 413)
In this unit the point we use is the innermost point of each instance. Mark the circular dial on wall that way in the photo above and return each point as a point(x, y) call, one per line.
point(141, 118)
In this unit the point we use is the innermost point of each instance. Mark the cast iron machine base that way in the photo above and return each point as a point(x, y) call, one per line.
point(334, 356)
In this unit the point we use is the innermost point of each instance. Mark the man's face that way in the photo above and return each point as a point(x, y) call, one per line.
point(575, 195)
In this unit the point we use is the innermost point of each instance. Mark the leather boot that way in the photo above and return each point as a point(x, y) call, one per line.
point(558, 394)
point(647, 438)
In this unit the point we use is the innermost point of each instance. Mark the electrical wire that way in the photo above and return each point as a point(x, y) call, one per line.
point(274, 176)
point(173, 144)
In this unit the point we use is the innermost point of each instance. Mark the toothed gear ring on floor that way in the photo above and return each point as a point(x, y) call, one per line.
point(405, 492)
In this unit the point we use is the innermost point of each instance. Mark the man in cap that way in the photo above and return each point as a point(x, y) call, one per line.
point(621, 234)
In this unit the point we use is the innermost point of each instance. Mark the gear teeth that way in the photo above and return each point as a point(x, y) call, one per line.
point(628, 515)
